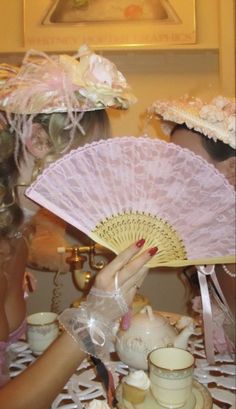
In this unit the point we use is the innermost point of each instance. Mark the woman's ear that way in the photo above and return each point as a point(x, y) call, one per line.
point(228, 168)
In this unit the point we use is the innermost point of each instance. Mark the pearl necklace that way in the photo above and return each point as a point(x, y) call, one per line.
point(226, 270)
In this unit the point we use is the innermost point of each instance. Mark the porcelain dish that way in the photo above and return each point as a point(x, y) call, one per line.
point(200, 399)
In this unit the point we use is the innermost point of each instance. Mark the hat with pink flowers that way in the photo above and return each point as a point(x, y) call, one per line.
point(61, 83)
point(43, 101)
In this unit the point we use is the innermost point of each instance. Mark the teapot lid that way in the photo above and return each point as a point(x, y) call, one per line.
point(154, 317)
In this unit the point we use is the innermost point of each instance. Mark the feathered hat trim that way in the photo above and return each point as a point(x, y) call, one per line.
point(62, 83)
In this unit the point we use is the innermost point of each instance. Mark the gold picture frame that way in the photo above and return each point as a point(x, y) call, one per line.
point(147, 24)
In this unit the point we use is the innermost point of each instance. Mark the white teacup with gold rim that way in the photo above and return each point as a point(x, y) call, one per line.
point(42, 330)
point(171, 376)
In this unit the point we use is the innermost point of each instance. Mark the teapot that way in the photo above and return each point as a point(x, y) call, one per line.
point(150, 330)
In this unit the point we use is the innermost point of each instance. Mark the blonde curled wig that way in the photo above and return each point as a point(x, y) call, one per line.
point(10, 213)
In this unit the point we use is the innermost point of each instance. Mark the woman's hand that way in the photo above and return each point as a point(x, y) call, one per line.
point(125, 271)
point(92, 324)
point(116, 285)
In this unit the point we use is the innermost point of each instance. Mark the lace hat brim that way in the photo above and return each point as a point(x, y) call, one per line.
point(215, 119)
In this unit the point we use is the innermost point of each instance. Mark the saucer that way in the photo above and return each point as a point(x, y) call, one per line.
point(200, 399)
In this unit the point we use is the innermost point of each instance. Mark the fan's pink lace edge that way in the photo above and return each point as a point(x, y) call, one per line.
point(125, 139)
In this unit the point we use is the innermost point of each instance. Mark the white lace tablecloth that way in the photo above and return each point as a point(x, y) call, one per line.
point(83, 386)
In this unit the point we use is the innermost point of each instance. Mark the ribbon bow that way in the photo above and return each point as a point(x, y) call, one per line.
point(85, 322)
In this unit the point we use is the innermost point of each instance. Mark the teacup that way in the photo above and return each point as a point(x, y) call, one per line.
point(42, 330)
point(171, 376)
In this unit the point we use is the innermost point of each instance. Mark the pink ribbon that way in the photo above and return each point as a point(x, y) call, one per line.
point(222, 297)
point(203, 271)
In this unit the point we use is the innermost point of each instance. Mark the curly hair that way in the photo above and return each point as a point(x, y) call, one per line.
point(94, 125)
point(11, 215)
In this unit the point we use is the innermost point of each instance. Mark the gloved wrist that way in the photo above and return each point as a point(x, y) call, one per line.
point(92, 324)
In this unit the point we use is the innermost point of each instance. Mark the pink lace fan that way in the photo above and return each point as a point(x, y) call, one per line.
point(122, 189)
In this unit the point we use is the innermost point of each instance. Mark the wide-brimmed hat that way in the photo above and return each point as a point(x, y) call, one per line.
point(61, 83)
point(215, 119)
point(43, 102)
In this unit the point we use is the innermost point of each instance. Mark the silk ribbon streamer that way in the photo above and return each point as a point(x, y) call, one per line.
point(203, 271)
point(223, 299)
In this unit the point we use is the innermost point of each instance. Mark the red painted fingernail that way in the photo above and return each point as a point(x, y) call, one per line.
point(153, 251)
point(140, 243)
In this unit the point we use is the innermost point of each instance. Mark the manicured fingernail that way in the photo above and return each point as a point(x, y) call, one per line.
point(140, 243)
point(153, 251)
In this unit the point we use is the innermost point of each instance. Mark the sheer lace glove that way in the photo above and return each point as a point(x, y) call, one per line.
point(92, 324)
